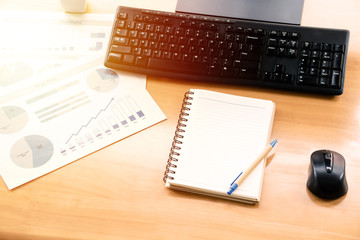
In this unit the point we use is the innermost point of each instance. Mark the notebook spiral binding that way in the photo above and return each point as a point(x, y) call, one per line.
point(171, 163)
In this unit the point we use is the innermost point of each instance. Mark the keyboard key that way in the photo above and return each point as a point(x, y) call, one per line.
point(289, 78)
point(238, 29)
point(248, 73)
point(120, 40)
point(141, 61)
point(302, 71)
point(293, 44)
point(186, 57)
point(245, 64)
point(281, 51)
point(291, 53)
point(283, 34)
point(128, 59)
point(327, 47)
point(304, 62)
point(272, 42)
point(315, 54)
point(305, 53)
point(137, 51)
point(282, 43)
point(306, 45)
point(130, 25)
point(324, 73)
point(339, 48)
point(156, 54)
point(335, 79)
point(120, 24)
point(229, 37)
point(197, 59)
point(176, 56)
point(324, 82)
point(214, 70)
point(267, 76)
point(326, 55)
point(307, 80)
point(279, 68)
point(168, 21)
point(277, 77)
point(325, 64)
point(316, 46)
point(147, 52)
point(122, 15)
point(253, 40)
point(115, 57)
point(120, 49)
point(273, 33)
point(294, 35)
point(188, 67)
point(166, 55)
point(133, 34)
point(143, 35)
point(134, 42)
point(314, 63)
point(248, 31)
point(230, 72)
point(260, 32)
point(271, 51)
point(214, 27)
point(313, 72)
point(138, 17)
point(148, 19)
point(153, 36)
point(250, 56)
point(338, 60)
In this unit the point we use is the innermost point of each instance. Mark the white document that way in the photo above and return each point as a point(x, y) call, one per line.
point(58, 118)
point(36, 42)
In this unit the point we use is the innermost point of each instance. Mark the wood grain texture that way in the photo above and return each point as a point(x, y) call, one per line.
point(118, 193)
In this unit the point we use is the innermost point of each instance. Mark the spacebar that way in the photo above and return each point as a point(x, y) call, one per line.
point(173, 66)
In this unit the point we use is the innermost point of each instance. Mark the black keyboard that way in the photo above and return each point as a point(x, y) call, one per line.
point(213, 49)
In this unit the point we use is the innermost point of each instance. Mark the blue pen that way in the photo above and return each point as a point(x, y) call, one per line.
point(234, 185)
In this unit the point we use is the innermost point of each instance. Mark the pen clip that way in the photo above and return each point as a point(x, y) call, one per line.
point(236, 178)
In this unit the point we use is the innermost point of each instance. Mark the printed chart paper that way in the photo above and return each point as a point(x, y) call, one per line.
point(60, 118)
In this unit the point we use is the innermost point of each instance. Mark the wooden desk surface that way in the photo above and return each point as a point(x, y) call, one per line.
point(118, 193)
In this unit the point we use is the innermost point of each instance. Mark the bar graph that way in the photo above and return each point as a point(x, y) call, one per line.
point(118, 113)
point(134, 106)
point(125, 108)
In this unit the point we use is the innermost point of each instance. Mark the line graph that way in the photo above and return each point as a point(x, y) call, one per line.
point(91, 119)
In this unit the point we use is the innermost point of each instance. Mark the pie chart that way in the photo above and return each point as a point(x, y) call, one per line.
point(31, 151)
point(14, 72)
point(12, 119)
point(103, 80)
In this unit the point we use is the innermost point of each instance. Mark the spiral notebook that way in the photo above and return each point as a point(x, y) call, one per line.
point(218, 135)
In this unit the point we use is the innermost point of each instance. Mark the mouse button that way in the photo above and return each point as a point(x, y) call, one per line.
point(317, 158)
point(317, 154)
point(317, 162)
point(339, 164)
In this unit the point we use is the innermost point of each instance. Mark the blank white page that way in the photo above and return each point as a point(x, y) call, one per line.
point(223, 135)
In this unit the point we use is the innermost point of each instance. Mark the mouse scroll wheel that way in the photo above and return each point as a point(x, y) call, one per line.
point(328, 162)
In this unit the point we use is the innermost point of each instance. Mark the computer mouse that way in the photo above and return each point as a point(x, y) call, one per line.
point(327, 178)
